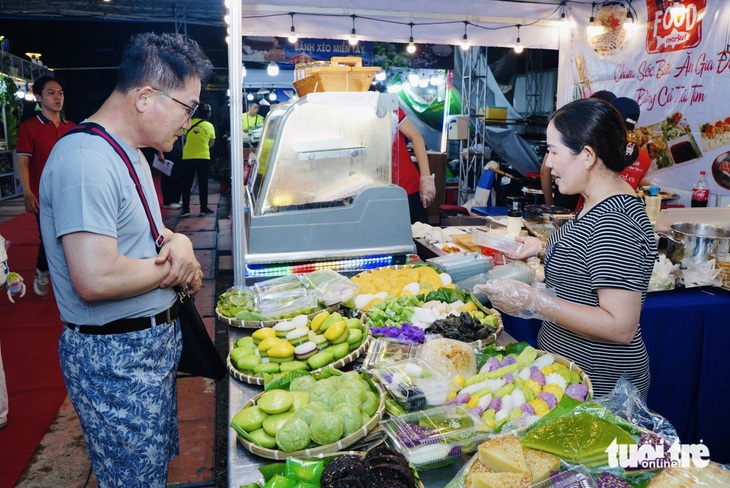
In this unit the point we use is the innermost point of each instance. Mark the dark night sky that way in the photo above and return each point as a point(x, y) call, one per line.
point(85, 54)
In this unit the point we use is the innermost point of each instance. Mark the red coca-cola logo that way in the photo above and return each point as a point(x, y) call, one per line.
point(700, 194)
point(674, 29)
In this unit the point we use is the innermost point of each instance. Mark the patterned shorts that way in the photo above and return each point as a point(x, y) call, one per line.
point(124, 390)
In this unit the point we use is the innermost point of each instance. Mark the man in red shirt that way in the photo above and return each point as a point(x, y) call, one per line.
point(36, 138)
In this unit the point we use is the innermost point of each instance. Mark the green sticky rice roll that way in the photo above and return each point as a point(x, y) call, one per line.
point(351, 416)
point(293, 435)
point(263, 439)
point(250, 418)
point(320, 360)
point(275, 401)
point(247, 363)
point(326, 428)
point(272, 423)
point(293, 366)
point(269, 368)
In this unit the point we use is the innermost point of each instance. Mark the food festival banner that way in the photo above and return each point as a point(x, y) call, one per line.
point(676, 65)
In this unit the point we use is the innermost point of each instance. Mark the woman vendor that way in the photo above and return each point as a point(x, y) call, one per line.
point(597, 265)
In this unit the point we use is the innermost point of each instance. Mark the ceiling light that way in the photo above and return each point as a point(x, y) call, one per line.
point(413, 78)
point(436, 80)
point(353, 34)
point(249, 97)
point(423, 82)
point(20, 93)
point(465, 41)
point(243, 71)
point(293, 33)
point(411, 46)
point(272, 69)
point(272, 95)
point(518, 46)
point(262, 91)
point(593, 29)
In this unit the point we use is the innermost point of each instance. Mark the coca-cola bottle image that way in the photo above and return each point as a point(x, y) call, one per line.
point(700, 192)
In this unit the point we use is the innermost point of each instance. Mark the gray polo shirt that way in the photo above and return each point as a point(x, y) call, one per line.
point(86, 187)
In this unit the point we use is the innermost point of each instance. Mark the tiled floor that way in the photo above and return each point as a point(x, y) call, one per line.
point(61, 459)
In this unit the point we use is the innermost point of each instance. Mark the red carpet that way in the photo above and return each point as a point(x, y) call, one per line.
point(29, 331)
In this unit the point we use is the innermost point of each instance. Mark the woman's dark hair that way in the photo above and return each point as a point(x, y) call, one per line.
point(595, 123)
point(164, 61)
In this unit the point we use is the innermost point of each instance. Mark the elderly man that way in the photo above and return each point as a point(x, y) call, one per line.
point(121, 343)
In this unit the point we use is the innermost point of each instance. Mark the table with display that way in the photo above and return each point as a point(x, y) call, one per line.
point(243, 465)
point(687, 333)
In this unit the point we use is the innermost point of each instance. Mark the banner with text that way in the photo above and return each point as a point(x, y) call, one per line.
point(676, 64)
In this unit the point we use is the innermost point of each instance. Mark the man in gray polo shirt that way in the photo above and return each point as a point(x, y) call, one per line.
point(121, 342)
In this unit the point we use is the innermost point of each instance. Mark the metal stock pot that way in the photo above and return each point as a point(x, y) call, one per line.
point(695, 243)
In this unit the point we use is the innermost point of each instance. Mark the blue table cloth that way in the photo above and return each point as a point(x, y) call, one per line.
point(687, 335)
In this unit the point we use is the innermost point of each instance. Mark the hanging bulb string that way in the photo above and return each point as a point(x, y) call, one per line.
point(559, 8)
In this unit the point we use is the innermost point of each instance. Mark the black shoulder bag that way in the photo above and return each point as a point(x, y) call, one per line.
point(199, 355)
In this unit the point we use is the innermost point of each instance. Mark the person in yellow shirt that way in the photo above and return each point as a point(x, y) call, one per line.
point(251, 122)
point(199, 138)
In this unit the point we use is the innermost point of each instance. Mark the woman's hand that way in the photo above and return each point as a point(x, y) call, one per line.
point(519, 299)
point(428, 190)
point(530, 247)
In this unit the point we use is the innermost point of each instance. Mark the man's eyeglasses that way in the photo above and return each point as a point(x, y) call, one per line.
point(191, 110)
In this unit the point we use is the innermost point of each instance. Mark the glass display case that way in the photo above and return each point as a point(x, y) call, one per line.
point(321, 182)
point(322, 150)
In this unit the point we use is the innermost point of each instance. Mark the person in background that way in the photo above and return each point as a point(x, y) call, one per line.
point(36, 137)
point(418, 182)
point(172, 185)
point(598, 264)
point(199, 138)
point(252, 121)
point(121, 343)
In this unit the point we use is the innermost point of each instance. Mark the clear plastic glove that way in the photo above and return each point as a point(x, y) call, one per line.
point(530, 247)
point(519, 299)
point(428, 189)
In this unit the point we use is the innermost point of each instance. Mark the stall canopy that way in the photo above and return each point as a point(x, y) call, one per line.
point(488, 23)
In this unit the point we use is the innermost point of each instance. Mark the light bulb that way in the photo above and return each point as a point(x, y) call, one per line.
point(249, 97)
point(353, 38)
point(272, 69)
point(465, 43)
point(629, 22)
point(293, 36)
point(423, 83)
point(243, 71)
point(518, 47)
point(413, 78)
point(411, 46)
point(272, 95)
point(381, 76)
point(436, 80)
point(20, 94)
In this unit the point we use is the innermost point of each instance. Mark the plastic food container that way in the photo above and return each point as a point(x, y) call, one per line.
point(463, 265)
point(287, 304)
point(267, 288)
point(436, 437)
point(386, 350)
point(515, 271)
point(414, 384)
point(330, 286)
point(502, 244)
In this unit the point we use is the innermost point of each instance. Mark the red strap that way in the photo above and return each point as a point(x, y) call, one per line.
point(97, 130)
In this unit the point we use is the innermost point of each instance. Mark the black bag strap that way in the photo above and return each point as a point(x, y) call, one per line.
point(192, 126)
point(97, 130)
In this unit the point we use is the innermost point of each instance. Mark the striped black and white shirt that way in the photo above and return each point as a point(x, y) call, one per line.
point(611, 246)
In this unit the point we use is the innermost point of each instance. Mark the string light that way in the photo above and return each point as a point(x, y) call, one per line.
point(272, 69)
point(465, 41)
point(293, 33)
point(593, 29)
point(411, 46)
point(243, 71)
point(518, 45)
point(629, 22)
point(353, 34)
point(563, 17)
